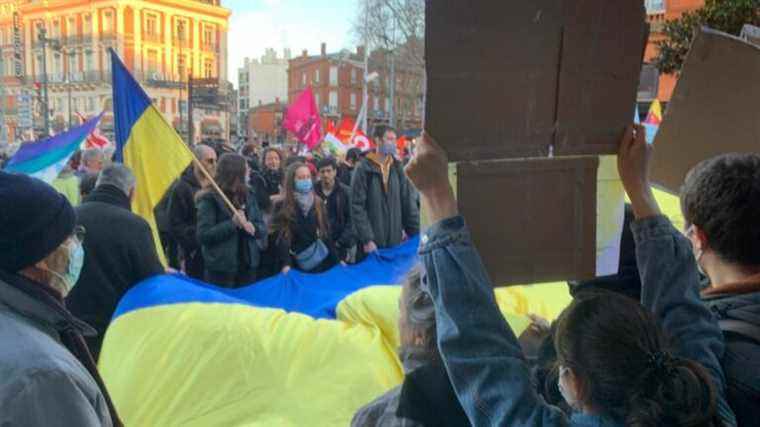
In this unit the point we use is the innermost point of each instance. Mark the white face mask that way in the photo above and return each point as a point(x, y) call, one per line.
point(567, 394)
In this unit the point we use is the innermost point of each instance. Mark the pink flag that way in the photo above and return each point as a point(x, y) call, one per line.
point(302, 118)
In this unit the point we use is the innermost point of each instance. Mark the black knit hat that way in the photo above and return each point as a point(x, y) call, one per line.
point(34, 220)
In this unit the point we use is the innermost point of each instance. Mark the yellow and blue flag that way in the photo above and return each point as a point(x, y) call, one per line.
point(146, 143)
point(292, 350)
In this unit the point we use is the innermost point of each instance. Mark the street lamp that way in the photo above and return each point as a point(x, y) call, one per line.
point(70, 53)
point(42, 37)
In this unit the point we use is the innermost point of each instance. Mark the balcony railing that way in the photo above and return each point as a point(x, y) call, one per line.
point(152, 38)
point(209, 47)
point(181, 42)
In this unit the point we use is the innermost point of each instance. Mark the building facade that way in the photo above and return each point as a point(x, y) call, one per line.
point(264, 122)
point(263, 81)
point(162, 42)
point(655, 85)
point(337, 82)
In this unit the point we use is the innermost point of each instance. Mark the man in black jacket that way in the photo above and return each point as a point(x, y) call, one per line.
point(336, 196)
point(119, 251)
point(383, 201)
point(182, 212)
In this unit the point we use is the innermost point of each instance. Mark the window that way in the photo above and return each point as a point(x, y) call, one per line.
point(208, 69)
point(73, 62)
point(209, 36)
point(353, 101)
point(353, 75)
point(179, 30)
point(56, 33)
point(376, 103)
point(88, 64)
point(71, 27)
point(90, 104)
point(87, 24)
point(655, 6)
point(151, 26)
point(108, 19)
point(333, 76)
point(333, 98)
point(152, 62)
point(181, 68)
point(303, 79)
point(57, 67)
point(317, 100)
point(388, 104)
point(316, 76)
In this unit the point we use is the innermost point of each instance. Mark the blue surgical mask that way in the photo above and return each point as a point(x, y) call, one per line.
point(74, 269)
point(304, 185)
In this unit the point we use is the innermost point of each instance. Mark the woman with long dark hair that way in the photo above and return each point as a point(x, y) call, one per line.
point(300, 225)
point(229, 242)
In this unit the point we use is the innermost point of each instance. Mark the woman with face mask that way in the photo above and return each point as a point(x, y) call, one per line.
point(620, 363)
point(300, 225)
point(229, 242)
point(48, 374)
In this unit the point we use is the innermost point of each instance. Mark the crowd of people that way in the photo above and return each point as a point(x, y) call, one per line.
point(308, 213)
point(672, 340)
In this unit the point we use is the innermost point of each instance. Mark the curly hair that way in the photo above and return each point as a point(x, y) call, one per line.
point(721, 196)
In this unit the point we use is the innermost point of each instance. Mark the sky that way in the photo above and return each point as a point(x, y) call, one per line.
point(256, 25)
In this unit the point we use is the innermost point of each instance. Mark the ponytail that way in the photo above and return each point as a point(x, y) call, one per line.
point(672, 391)
point(620, 355)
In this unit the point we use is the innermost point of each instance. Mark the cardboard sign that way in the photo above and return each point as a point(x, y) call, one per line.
point(532, 220)
point(526, 79)
point(715, 108)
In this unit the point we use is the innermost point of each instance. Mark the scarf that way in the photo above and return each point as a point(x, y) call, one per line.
point(305, 201)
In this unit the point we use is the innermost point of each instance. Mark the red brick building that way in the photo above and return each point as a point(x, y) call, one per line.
point(659, 11)
point(336, 80)
point(265, 121)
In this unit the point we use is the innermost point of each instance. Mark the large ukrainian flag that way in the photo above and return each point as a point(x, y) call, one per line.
point(146, 143)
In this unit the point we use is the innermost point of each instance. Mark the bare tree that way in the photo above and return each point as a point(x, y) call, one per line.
point(394, 31)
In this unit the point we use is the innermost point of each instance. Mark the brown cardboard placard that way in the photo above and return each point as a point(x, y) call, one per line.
point(532, 220)
point(520, 79)
point(715, 108)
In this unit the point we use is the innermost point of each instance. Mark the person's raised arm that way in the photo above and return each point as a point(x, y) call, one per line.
point(479, 350)
point(669, 277)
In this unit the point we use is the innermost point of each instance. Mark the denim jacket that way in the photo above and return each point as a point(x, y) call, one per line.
point(481, 353)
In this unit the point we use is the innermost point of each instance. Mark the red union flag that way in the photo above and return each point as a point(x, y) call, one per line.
point(302, 119)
